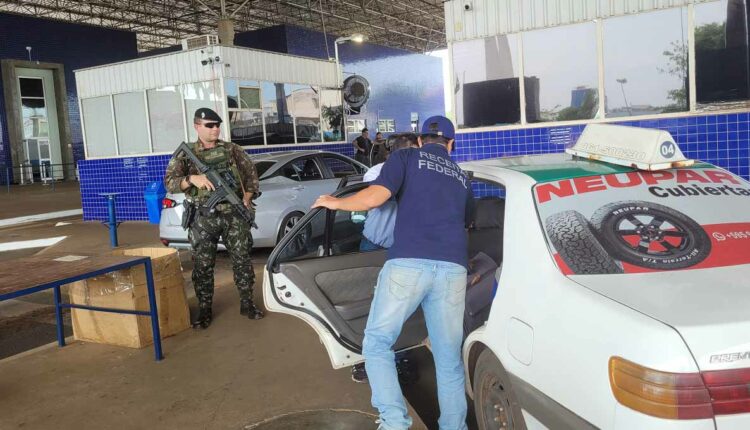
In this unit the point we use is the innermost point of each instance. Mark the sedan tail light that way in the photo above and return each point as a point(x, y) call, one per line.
point(680, 396)
point(659, 394)
point(729, 389)
point(167, 203)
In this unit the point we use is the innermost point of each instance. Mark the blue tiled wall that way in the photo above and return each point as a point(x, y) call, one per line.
point(722, 140)
point(130, 176)
point(75, 46)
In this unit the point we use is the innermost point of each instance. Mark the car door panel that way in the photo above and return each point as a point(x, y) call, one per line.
point(310, 189)
point(336, 285)
point(303, 179)
point(314, 189)
point(342, 287)
point(331, 292)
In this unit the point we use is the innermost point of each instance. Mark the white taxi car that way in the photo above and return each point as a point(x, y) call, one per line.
point(622, 298)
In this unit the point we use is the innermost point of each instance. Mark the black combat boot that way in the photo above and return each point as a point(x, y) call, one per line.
point(204, 317)
point(247, 307)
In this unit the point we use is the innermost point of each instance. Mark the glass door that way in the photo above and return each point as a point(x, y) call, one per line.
point(45, 161)
point(35, 123)
point(41, 137)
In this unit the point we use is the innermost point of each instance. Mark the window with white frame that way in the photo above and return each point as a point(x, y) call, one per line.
point(645, 63)
point(562, 73)
point(278, 121)
point(99, 127)
point(386, 125)
point(258, 113)
point(130, 120)
point(165, 118)
point(33, 108)
point(332, 112)
point(354, 127)
point(249, 98)
point(304, 106)
point(245, 113)
point(486, 86)
point(722, 55)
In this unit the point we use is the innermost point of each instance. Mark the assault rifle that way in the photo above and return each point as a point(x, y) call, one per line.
point(224, 185)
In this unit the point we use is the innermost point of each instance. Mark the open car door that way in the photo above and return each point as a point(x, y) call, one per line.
point(318, 274)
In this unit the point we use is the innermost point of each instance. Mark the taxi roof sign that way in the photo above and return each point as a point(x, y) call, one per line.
point(641, 148)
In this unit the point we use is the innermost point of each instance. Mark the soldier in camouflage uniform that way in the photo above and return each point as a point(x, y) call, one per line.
point(224, 222)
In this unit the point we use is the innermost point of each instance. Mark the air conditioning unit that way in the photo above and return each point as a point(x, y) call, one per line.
point(200, 41)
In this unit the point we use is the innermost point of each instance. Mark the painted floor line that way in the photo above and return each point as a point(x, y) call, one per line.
point(39, 217)
point(25, 244)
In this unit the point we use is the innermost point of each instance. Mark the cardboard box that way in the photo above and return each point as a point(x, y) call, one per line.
point(126, 289)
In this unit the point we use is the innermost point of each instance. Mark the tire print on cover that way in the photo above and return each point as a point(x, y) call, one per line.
point(651, 235)
point(577, 244)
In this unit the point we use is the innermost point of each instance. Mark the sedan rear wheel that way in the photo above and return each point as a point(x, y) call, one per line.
point(495, 405)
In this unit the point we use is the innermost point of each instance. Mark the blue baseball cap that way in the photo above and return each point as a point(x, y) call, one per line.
point(439, 126)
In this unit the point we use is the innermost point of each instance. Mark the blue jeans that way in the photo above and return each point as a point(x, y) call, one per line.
point(404, 284)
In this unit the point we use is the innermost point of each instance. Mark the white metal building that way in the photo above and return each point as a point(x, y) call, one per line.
point(146, 106)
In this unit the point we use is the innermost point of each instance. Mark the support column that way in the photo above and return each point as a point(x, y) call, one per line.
point(226, 31)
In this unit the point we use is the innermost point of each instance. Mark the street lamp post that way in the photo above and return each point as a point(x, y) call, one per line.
point(622, 82)
point(357, 38)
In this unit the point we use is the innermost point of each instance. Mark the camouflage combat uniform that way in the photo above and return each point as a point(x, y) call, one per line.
point(225, 222)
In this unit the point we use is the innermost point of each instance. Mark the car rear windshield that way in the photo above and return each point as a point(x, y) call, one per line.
point(263, 166)
point(646, 221)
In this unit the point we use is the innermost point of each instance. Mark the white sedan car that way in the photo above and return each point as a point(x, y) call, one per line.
point(289, 181)
point(622, 296)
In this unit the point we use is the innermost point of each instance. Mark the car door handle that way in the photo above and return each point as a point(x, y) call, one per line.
point(298, 188)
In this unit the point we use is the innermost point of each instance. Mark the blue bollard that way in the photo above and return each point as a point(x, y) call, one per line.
point(112, 218)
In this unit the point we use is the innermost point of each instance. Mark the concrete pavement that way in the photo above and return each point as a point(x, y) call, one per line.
point(271, 374)
point(234, 375)
point(24, 200)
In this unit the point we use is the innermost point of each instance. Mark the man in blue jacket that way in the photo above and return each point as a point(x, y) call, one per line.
point(425, 266)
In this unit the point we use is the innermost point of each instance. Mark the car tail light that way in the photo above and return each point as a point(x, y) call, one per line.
point(165, 242)
point(659, 394)
point(168, 203)
point(679, 395)
point(729, 389)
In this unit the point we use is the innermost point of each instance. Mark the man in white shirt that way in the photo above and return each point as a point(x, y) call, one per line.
point(378, 231)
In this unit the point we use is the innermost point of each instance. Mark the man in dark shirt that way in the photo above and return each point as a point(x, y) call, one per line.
point(362, 145)
point(426, 266)
point(378, 150)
